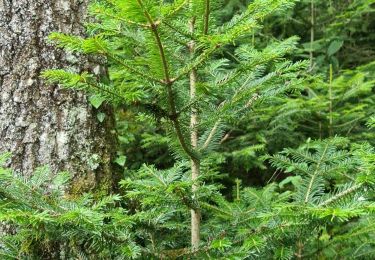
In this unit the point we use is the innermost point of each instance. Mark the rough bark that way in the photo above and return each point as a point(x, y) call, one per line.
point(42, 124)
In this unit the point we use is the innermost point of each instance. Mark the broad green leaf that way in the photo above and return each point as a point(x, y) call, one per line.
point(96, 101)
point(121, 160)
point(101, 117)
point(334, 47)
point(294, 180)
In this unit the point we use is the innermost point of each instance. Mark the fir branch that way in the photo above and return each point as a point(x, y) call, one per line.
point(154, 30)
point(281, 161)
point(119, 18)
point(130, 68)
point(168, 83)
point(217, 209)
point(211, 135)
point(202, 58)
point(114, 94)
point(185, 34)
point(176, 10)
point(340, 195)
point(315, 174)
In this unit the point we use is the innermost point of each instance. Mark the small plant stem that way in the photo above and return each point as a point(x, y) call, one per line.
point(330, 99)
point(300, 250)
point(238, 183)
point(312, 34)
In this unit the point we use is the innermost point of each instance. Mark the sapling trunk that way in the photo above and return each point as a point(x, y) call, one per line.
point(330, 99)
point(195, 164)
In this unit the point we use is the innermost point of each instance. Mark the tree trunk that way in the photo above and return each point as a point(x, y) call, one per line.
point(41, 124)
point(195, 164)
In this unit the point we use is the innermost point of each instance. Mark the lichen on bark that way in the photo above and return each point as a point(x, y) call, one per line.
point(42, 124)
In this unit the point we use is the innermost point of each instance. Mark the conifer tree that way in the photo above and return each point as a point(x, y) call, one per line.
point(171, 59)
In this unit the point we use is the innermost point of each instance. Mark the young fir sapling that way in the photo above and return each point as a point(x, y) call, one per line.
point(174, 55)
